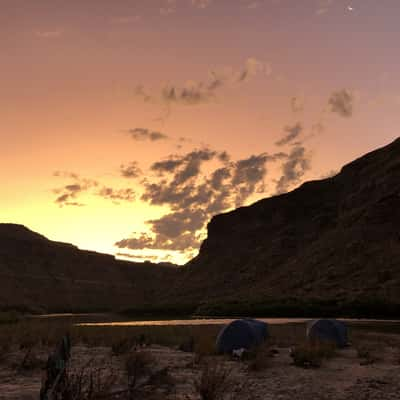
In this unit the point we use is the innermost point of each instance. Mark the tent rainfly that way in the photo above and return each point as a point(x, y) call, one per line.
point(328, 330)
point(241, 334)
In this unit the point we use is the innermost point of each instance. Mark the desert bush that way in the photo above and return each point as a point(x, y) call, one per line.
point(259, 358)
point(204, 345)
point(88, 383)
point(30, 361)
point(214, 381)
point(122, 346)
point(187, 345)
point(397, 357)
point(368, 354)
point(311, 355)
point(9, 317)
point(137, 365)
point(4, 351)
point(161, 379)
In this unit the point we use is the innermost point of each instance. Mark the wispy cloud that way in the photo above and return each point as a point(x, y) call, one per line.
point(292, 133)
point(50, 34)
point(70, 193)
point(341, 102)
point(125, 19)
point(146, 134)
point(201, 3)
point(200, 92)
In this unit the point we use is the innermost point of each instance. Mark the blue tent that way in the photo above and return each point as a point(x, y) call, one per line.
point(328, 330)
point(241, 333)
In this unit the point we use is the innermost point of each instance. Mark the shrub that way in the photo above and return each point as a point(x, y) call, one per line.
point(310, 355)
point(187, 345)
point(204, 345)
point(259, 358)
point(30, 361)
point(214, 381)
point(4, 350)
point(137, 365)
point(122, 346)
point(89, 383)
point(368, 354)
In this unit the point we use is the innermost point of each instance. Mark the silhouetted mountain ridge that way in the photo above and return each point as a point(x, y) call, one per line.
point(334, 240)
point(331, 245)
point(37, 274)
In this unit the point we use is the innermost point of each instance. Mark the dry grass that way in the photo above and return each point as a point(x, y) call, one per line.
point(89, 383)
point(369, 353)
point(311, 355)
point(137, 366)
point(260, 358)
point(214, 381)
point(30, 361)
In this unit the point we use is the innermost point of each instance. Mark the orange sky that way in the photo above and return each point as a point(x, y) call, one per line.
point(69, 77)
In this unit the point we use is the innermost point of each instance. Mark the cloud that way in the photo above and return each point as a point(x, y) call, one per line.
point(202, 92)
point(201, 3)
point(323, 6)
point(146, 134)
point(131, 170)
point(169, 7)
point(341, 102)
point(117, 194)
point(293, 132)
point(195, 186)
point(124, 20)
point(253, 67)
point(254, 4)
point(49, 34)
point(68, 194)
point(297, 104)
point(329, 174)
point(293, 169)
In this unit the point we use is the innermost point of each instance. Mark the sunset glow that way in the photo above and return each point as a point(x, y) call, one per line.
point(126, 125)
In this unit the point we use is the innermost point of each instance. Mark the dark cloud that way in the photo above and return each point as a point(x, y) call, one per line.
point(341, 102)
point(292, 133)
point(200, 92)
point(146, 134)
point(68, 195)
point(293, 169)
point(117, 194)
point(194, 191)
point(131, 170)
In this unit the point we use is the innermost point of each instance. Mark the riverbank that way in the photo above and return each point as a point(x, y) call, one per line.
point(178, 360)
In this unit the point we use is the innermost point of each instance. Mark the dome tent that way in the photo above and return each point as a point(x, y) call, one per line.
point(241, 333)
point(328, 330)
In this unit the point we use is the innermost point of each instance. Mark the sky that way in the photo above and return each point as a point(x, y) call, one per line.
point(126, 125)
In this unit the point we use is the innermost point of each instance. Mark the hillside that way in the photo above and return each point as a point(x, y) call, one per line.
point(331, 246)
point(37, 274)
point(334, 243)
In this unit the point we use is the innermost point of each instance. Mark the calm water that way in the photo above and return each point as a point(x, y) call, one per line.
point(202, 321)
point(223, 321)
point(117, 320)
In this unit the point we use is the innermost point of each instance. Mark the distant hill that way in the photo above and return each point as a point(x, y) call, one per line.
point(331, 245)
point(37, 274)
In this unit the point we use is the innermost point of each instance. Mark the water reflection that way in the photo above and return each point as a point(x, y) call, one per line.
point(202, 321)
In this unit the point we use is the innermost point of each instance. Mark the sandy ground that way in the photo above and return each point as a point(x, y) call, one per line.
point(341, 378)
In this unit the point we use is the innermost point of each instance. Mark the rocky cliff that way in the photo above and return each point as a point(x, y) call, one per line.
point(330, 246)
point(334, 241)
point(40, 275)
